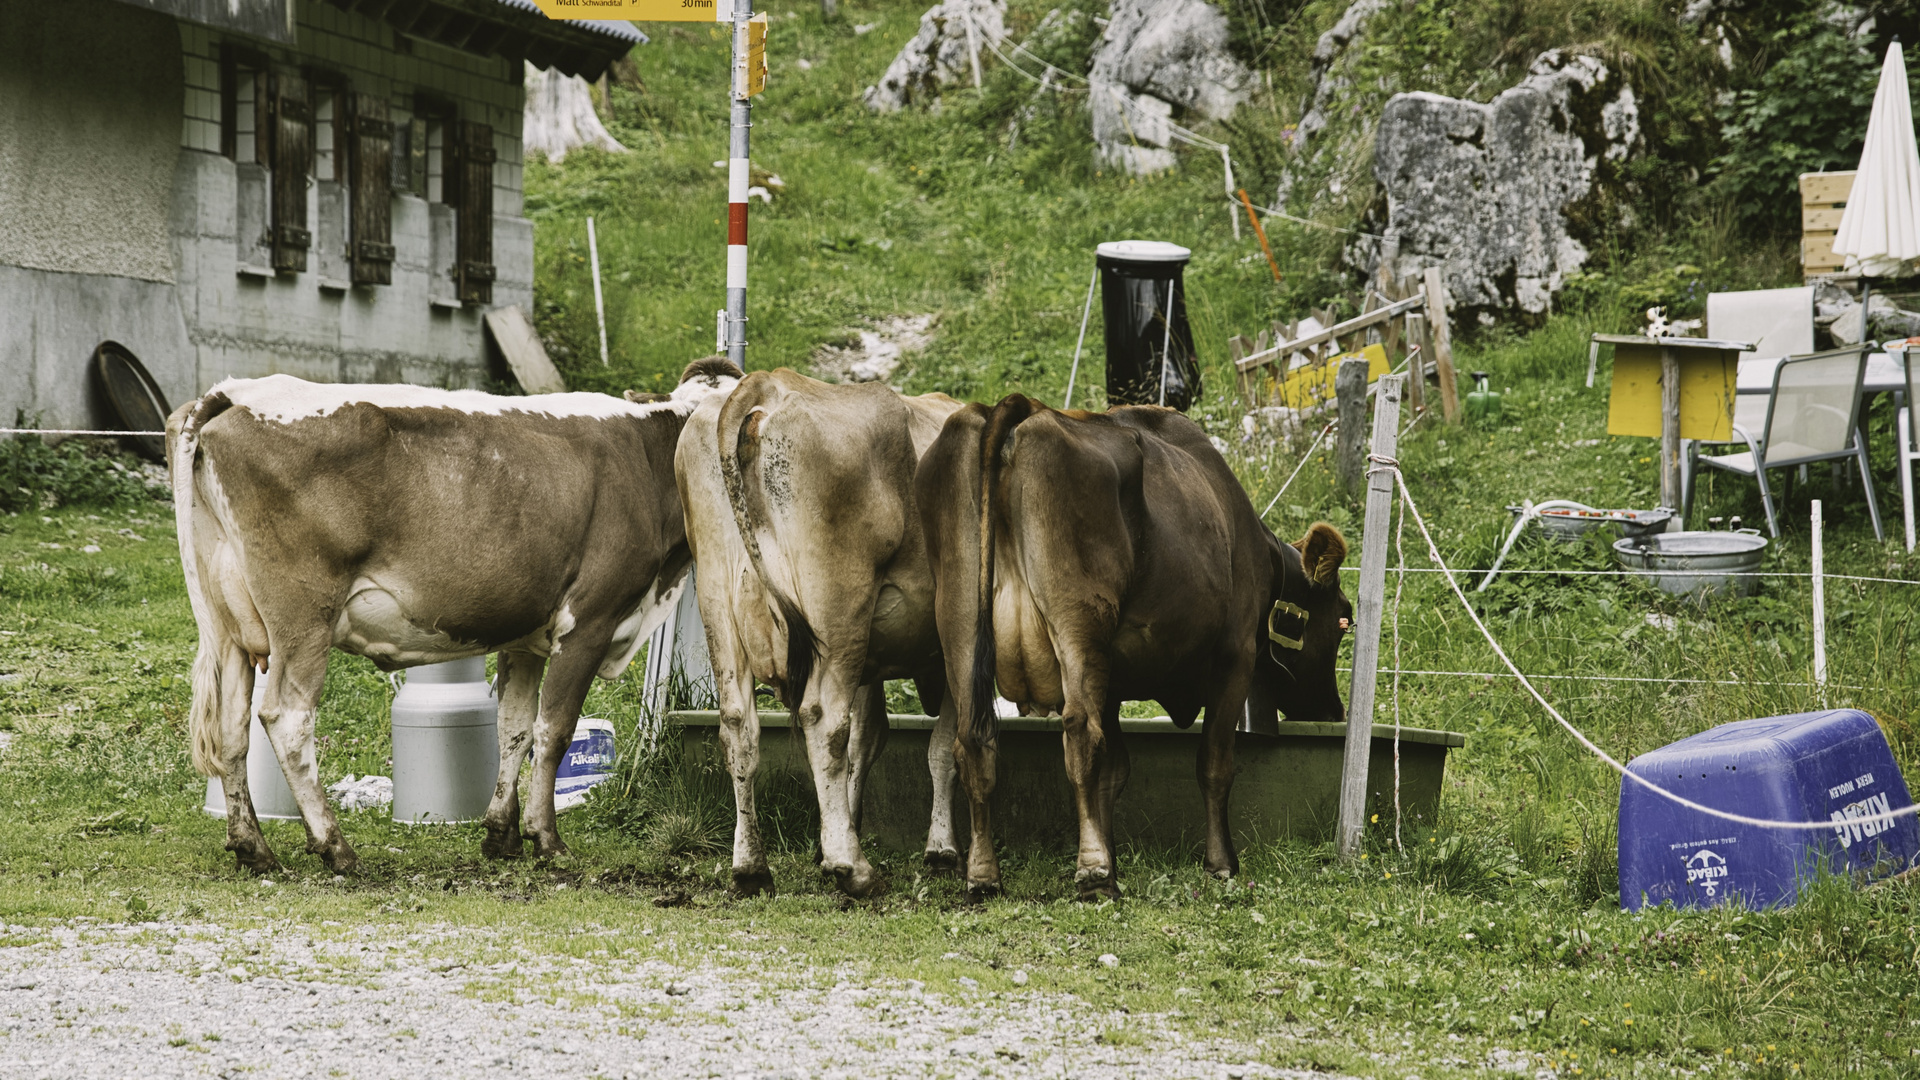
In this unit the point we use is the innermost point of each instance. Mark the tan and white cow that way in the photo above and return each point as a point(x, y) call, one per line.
point(814, 579)
point(412, 526)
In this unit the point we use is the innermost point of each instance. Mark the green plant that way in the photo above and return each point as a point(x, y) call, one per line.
point(1807, 112)
point(77, 472)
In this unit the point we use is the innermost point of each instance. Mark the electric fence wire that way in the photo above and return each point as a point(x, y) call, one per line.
point(1433, 553)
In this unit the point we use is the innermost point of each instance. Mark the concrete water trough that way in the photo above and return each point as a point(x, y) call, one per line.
point(1287, 784)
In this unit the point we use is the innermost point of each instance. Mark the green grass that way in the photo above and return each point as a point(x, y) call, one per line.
point(1499, 929)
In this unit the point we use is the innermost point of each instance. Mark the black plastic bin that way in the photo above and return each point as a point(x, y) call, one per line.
point(1137, 279)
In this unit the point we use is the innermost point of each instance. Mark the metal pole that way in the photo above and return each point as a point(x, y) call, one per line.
point(1166, 344)
point(1084, 313)
point(599, 304)
point(1819, 608)
point(737, 183)
point(1367, 615)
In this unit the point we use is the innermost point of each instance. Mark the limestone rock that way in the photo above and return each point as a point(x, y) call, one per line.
point(937, 55)
point(1157, 56)
point(560, 116)
point(1499, 193)
point(1327, 77)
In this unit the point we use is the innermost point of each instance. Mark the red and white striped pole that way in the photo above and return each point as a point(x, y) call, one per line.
point(737, 183)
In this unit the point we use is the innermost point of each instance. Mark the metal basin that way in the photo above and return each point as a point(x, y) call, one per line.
point(1696, 563)
point(1564, 519)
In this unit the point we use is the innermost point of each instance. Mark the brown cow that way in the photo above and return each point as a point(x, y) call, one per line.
point(411, 526)
point(1081, 560)
point(813, 578)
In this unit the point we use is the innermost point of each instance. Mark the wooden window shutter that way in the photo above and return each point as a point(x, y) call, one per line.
point(369, 176)
point(471, 184)
point(292, 157)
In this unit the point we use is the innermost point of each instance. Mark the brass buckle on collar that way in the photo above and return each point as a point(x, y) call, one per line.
point(1282, 607)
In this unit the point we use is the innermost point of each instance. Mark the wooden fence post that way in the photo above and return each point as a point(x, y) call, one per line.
point(1350, 388)
point(1419, 348)
point(1442, 344)
point(1368, 614)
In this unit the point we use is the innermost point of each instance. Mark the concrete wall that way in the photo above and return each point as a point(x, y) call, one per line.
point(221, 316)
point(88, 93)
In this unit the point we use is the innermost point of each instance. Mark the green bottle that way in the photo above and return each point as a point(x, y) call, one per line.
point(1482, 402)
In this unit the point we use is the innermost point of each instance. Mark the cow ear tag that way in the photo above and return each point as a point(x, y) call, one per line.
point(1281, 607)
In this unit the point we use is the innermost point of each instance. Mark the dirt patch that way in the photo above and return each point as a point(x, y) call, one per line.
point(875, 353)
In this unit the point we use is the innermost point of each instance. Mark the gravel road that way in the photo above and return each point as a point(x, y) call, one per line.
point(90, 999)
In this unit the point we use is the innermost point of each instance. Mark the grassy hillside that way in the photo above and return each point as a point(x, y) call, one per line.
point(912, 213)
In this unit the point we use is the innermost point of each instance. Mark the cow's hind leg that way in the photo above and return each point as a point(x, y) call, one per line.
point(295, 681)
point(943, 849)
point(1089, 752)
point(975, 757)
point(740, 740)
point(828, 724)
point(519, 679)
point(870, 731)
point(244, 839)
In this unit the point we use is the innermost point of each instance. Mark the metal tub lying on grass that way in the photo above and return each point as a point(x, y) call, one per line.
point(1702, 564)
point(1288, 785)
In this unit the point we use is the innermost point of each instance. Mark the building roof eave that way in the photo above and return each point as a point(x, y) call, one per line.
point(515, 29)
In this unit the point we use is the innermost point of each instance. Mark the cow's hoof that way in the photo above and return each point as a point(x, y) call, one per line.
point(748, 883)
point(341, 860)
point(255, 859)
point(943, 862)
point(548, 847)
point(1095, 885)
point(979, 892)
point(858, 882)
point(502, 842)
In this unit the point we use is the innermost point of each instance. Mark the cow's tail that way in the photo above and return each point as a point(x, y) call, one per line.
point(203, 716)
point(985, 721)
point(741, 419)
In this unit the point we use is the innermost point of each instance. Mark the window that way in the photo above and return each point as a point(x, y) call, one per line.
point(329, 126)
point(243, 101)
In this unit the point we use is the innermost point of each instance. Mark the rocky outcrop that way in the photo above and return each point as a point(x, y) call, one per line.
point(1326, 78)
point(939, 54)
point(1500, 194)
point(560, 118)
point(1156, 57)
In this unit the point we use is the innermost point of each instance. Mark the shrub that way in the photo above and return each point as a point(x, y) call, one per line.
point(36, 476)
point(1807, 113)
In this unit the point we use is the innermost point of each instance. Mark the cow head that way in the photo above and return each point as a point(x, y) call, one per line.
point(1306, 617)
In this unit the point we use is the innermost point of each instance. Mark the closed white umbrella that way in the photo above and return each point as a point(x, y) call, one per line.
point(1880, 227)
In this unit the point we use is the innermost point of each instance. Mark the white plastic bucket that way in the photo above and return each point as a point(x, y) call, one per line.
point(589, 761)
point(272, 798)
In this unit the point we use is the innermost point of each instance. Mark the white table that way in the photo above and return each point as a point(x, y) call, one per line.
point(1884, 375)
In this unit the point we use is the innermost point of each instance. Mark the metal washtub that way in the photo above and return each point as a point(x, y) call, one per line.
point(1701, 564)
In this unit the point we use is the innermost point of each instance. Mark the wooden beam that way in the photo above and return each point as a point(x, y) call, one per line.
point(1340, 330)
point(1368, 612)
point(1436, 294)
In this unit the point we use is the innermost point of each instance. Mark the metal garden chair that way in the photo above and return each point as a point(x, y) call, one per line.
point(1812, 414)
point(1909, 452)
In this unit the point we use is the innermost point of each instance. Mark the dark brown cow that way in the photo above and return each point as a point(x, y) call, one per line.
point(1081, 560)
point(412, 526)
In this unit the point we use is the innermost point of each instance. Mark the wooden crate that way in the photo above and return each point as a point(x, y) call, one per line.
point(1823, 197)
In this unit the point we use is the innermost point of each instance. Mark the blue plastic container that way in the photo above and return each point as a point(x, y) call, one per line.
point(1826, 766)
point(589, 760)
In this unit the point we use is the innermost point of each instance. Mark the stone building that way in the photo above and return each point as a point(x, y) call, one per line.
point(327, 188)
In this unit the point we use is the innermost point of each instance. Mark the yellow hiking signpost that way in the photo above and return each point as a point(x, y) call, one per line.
point(748, 75)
